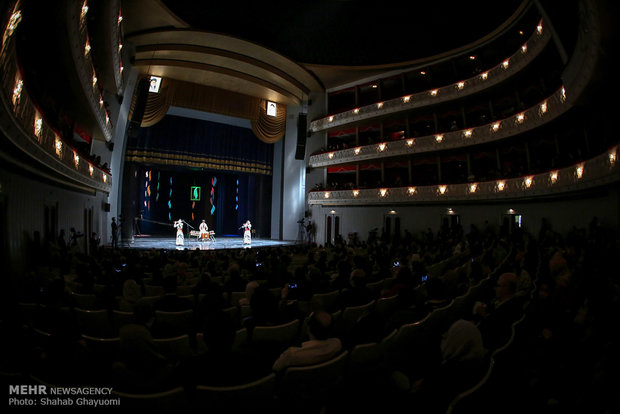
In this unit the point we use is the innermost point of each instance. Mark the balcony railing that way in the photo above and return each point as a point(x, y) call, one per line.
point(27, 129)
point(595, 172)
point(543, 112)
point(495, 75)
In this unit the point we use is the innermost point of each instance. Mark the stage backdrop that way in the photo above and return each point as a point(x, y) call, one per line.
point(190, 169)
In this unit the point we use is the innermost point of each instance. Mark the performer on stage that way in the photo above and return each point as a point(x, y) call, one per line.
point(247, 234)
point(204, 231)
point(179, 226)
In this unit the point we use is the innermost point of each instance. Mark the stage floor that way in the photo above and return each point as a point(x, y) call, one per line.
point(220, 242)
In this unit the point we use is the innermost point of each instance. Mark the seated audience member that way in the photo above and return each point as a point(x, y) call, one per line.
point(141, 368)
point(321, 346)
point(436, 294)
point(463, 363)
point(265, 308)
point(249, 291)
point(299, 286)
point(234, 281)
point(356, 294)
point(496, 318)
point(209, 298)
point(220, 364)
point(132, 293)
point(340, 279)
point(404, 283)
point(170, 301)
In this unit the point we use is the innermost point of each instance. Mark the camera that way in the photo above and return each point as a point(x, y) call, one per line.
point(424, 278)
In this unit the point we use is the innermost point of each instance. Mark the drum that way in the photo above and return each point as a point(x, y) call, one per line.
point(205, 236)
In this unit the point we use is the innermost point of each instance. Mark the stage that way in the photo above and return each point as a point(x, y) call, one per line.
point(215, 243)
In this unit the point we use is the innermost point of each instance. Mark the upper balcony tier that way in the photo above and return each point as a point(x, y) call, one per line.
point(494, 75)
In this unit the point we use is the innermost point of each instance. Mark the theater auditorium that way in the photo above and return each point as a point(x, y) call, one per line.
point(313, 207)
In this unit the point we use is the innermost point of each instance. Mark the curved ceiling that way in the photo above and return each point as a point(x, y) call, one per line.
point(284, 50)
point(350, 32)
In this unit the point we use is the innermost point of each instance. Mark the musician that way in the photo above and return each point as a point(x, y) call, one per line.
point(204, 230)
point(179, 226)
point(247, 233)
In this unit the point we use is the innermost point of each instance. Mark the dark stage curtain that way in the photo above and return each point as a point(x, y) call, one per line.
point(184, 142)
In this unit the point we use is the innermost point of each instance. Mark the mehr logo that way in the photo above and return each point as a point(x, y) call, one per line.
point(27, 390)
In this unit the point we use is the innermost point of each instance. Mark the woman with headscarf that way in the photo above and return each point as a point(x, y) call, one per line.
point(463, 363)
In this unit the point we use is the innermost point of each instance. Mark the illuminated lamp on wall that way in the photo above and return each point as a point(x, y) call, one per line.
point(155, 83)
point(58, 145)
point(579, 171)
point(38, 124)
point(17, 90)
point(553, 177)
point(271, 108)
point(542, 109)
point(612, 157)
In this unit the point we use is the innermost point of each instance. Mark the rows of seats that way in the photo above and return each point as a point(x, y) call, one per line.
point(306, 389)
point(368, 358)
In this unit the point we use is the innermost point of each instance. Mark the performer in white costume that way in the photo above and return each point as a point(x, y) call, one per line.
point(204, 231)
point(247, 232)
point(179, 226)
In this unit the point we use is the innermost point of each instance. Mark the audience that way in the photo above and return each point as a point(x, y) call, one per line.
point(132, 293)
point(357, 293)
point(321, 346)
point(170, 301)
point(220, 364)
point(496, 318)
point(565, 308)
point(463, 364)
point(142, 367)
